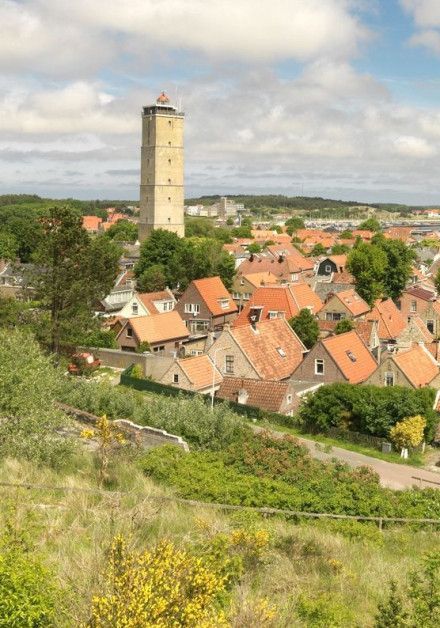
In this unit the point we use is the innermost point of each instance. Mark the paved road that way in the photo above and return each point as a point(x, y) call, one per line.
point(392, 475)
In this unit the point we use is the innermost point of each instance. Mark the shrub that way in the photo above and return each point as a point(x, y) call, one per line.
point(164, 586)
point(409, 432)
point(137, 372)
point(322, 611)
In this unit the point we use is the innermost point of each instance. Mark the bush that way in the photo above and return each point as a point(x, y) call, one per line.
point(367, 409)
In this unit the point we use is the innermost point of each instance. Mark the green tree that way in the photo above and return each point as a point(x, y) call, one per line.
point(306, 327)
point(398, 267)
point(391, 612)
point(368, 263)
point(343, 326)
point(73, 272)
point(370, 224)
point(346, 234)
point(424, 592)
point(242, 232)
point(152, 279)
point(340, 249)
point(230, 221)
point(293, 224)
point(8, 246)
point(437, 280)
point(318, 250)
point(254, 247)
point(158, 249)
point(123, 231)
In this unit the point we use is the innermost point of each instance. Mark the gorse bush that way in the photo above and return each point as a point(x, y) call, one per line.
point(264, 471)
point(367, 409)
point(190, 418)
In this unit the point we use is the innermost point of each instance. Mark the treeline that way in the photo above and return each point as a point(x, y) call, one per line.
point(90, 207)
point(278, 201)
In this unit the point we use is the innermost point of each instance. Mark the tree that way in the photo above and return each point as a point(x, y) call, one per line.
point(398, 267)
point(409, 432)
point(8, 246)
point(158, 249)
point(318, 250)
point(391, 612)
point(367, 263)
point(230, 221)
point(346, 234)
point(293, 224)
point(340, 249)
point(73, 272)
point(242, 232)
point(254, 247)
point(343, 326)
point(108, 437)
point(152, 279)
point(123, 231)
point(306, 327)
point(370, 224)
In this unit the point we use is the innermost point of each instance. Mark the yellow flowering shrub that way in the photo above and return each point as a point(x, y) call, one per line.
point(108, 437)
point(162, 588)
point(409, 432)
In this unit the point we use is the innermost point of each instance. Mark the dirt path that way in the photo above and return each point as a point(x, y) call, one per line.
point(392, 475)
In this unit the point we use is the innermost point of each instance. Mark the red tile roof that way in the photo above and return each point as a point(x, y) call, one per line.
point(288, 300)
point(272, 347)
point(352, 301)
point(418, 365)
point(390, 320)
point(351, 355)
point(421, 293)
point(159, 327)
point(261, 394)
point(148, 299)
point(213, 292)
point(345, 278)
point(91, 223)
point(199, 371)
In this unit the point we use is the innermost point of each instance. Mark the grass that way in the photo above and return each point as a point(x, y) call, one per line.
point(415, 459)
point(351, 564)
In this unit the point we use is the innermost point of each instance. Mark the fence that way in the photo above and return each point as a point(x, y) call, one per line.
point(356, 437)
point(294, 514)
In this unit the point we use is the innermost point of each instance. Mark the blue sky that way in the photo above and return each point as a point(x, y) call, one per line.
point(339, 98)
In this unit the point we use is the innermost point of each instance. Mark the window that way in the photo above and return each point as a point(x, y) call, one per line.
point(351, 356)
point(169, 122)
point(273, 314)
point(176, 378)
point(135, 308)
point(413, 306)
point(159, 349)
point(281, 352)
point(229, 364)
point(246, 296)
point(389, 378)
point(224, 304)
point(169, 143)
point(129, 332)
point(328, 268)
point(192, 308)
point(169, 162)
point(334, 316)
point(169, 200)
point(169, 181)
point(430, 324)
point(319, 367)
point(289, 399)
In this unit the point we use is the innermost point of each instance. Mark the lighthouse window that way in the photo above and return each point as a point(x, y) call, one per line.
point(169, 199)
point(169, 162)
point(169, 122)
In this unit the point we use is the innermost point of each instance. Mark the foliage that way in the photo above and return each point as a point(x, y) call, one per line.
point(322, 611)
point(143, 347)
point(137, 371)
point(73, 272)
point(318, 250)
point(368, 264)
point(343, 326)
point(340, 249)
point(367, 409)
point(108, 437)
point(254, 247)
point(346, 234)
point(101, 338)
point(187, 417)
point(437, 280)
point(28, 419)
point(242, 232)
point(409, 432)
point(152, 279)
point(8, 246)
point(165, 586)
point(293, 224)
point(204, 228)
point(391, 612)
point(123, 231)
point(27, 591)
point(398, 266)
point(371, 224)
point(306, 327)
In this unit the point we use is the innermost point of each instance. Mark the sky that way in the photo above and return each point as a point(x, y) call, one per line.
point(332, 98)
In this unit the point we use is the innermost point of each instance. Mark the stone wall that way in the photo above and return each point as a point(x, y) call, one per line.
point(146, 437)
point(154, 366)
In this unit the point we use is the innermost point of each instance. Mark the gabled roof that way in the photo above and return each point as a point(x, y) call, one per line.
point(158, 327)
point(390, 320)
point(148, 299)
point(352, 301)
point(345, 278)
point(213, 292)
point(271, 346)
point(351, 356)
point(261, 394)
point(364, 329)
point(199, 369)
point(339, 260)
point(261, 279)
point(294, 257)
point(91, 223)
point(421, 326)
point(417, 364)
point(287, 299)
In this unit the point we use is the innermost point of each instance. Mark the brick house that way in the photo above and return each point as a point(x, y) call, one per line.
point(391, 323)
point(280, 397)
point(344, 304)
point(341, 358)
point(193, 373)
point(413, 368)
point(415, 300)
point(165, 333)
point(244, 287)
point(270, 302)
point(267, 350)
point(206, 305)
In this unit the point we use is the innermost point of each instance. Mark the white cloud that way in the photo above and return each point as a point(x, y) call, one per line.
point(426, 15)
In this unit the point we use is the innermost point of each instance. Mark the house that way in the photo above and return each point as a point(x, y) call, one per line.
point(415, 300)
point(206, 305)
point(15, 280)
point(289, 268)
point(193, 373)
point(146, 303)
point(267, 350)
point(121, 293)
point(161, 333)
point(344, 304)
point(244, 286)
point(391, 323)
point(341, 358)
point(415, 331)
point(331, 264)
point(413, 368)
point(280, 397)
point(91, 223)
point(336, 282)
point(270, 302)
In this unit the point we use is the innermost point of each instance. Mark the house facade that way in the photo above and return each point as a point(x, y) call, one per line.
point(161, 333)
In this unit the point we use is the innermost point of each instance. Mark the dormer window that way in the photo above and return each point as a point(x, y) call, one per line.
point(224, 304)
point(129, 332)
point(413, 306)
point(135, 308)
point(281, 352)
